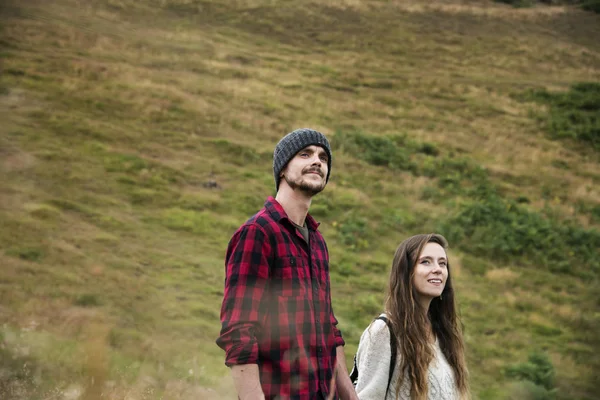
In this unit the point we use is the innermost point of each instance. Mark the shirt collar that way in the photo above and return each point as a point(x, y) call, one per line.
point(278, 213)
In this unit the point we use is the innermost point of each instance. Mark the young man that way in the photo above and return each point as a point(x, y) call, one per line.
point(278, 328)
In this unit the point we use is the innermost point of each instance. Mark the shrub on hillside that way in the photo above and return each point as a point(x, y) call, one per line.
point(33, 254)
point(455, 175)
point(354, 232)
point(539, 373)
point(574, 114)
point(504, 230)
point(527, 390)
point(517, 3)
point(375, 150)
point(458, 176)
point(87, 300)
point(588, 5)
point(591, 5)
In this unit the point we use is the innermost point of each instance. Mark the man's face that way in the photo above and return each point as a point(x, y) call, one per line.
point(307, 170)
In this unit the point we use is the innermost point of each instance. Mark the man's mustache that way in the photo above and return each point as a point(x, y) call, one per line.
point(317, 170)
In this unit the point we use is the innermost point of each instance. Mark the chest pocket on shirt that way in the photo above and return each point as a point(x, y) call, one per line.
point(289, 277)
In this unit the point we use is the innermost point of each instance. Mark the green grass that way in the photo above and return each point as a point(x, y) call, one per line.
point(574, 114)
point(117, 114)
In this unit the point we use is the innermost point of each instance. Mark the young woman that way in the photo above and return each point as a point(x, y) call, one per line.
point(420, 315)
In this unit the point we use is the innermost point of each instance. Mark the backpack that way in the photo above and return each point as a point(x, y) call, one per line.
point(354, 373)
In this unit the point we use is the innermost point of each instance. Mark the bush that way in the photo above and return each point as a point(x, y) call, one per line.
point(375, 150)
point(343, 268)
point(539, 371)
point(591, 5)
point(516, 3)
point(588, 5)
point(504, 230)
point(456, 175)
point(526, 390)
point(33, 254)
point(574, 114)
point(87, 300)
point(354, 232)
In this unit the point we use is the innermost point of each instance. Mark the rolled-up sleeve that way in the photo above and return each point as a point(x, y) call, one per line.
point(246, 275)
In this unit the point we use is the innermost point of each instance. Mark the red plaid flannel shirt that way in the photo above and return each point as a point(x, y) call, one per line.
point(276, 309)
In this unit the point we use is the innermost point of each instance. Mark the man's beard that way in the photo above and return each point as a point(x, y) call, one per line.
point(309, 188)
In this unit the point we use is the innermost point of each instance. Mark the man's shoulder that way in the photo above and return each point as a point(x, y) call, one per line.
point(262, 220)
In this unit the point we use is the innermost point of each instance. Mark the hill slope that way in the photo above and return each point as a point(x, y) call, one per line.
point(118, 116)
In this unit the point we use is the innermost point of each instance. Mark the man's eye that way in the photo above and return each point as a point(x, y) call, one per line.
point(324, 158)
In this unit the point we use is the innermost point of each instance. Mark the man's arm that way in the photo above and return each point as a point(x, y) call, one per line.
point(247, 382)
point(342, 379)
point(246, 275)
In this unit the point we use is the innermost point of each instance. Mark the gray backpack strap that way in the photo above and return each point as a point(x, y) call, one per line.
point(394, 351)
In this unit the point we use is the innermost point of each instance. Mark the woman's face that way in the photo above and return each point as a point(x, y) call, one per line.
point(431, 272)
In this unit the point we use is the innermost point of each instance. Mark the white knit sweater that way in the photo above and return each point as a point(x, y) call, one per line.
point(373, 362)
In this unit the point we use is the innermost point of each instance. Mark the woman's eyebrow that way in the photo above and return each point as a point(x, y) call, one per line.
point(431, 258)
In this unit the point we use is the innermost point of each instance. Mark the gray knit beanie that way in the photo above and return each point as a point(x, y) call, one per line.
point(292, 143)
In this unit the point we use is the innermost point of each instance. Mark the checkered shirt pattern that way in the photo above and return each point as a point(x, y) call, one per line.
point(276, 308)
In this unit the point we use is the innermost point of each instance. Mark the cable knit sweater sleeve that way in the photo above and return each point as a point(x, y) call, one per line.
point(373, 361)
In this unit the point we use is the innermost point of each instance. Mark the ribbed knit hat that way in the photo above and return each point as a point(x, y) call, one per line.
point(292, 143)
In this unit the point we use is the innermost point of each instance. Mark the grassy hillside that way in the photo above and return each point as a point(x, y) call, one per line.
point(117, 116)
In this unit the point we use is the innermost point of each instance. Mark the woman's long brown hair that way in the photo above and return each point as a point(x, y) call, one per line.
point(409, 321)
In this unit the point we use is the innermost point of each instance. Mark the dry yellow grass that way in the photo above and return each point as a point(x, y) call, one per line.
point(502, 274)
